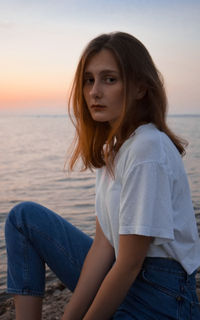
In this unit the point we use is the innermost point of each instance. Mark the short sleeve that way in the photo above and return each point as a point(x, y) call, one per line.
point(145, 203)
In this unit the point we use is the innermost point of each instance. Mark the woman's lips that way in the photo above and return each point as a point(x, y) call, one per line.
point(98, 106)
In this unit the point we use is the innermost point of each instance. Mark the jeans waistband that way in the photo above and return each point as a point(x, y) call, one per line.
point(168, 265)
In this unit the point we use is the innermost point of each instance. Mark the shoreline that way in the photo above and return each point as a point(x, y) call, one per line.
point(56, 297)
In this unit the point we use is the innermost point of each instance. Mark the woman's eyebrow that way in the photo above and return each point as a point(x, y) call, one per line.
point(109, 71)
point(102, 72)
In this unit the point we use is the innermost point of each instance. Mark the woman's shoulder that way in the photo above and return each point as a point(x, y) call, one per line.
point(148, 145)
point(144, 145)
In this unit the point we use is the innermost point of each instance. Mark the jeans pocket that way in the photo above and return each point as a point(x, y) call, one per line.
point(180, 299)
point(160, 292)
point(165, 283)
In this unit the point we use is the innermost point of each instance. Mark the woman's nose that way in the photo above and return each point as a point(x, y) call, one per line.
point(96, 90)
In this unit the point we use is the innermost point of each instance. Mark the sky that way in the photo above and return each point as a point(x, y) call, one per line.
point(41, 42)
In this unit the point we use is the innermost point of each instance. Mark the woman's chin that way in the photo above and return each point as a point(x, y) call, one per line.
point(100, 119)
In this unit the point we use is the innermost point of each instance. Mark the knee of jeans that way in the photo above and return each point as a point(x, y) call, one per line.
point(18, 213)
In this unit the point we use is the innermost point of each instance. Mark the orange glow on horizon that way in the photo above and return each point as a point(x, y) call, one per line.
point(33, 93)
point(30, 99)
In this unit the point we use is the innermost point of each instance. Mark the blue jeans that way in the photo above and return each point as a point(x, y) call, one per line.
point(36, 236)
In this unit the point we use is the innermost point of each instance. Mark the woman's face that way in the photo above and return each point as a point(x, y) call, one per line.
point(103, 87)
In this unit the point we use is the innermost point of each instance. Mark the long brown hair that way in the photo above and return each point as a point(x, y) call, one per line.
point(95, 142)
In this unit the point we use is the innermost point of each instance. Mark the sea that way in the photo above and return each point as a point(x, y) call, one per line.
point(33, 154)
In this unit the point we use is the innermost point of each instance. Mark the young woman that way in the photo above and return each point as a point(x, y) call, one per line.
point(142, 262)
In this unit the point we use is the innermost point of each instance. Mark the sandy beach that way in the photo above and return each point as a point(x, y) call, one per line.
point(55, 299)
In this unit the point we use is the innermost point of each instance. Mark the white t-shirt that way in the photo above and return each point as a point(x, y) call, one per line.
point(149, 196)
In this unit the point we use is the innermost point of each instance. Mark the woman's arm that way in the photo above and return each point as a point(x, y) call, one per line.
point(97, 264)
point(132, 251)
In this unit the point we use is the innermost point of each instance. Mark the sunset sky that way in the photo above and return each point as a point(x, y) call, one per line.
point(41, 42)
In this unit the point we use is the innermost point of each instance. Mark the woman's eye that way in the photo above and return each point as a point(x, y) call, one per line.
point(88, 81)
point(110, 80)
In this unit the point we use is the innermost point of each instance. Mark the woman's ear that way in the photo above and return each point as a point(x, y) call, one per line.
point(140, 91)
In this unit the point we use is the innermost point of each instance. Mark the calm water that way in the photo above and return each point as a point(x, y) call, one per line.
point(32, 157)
